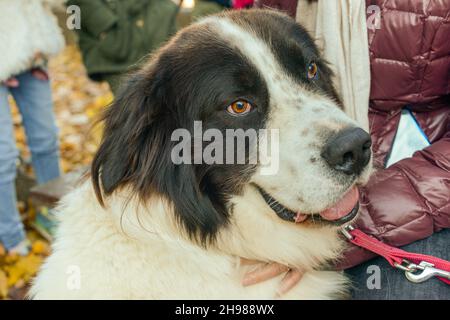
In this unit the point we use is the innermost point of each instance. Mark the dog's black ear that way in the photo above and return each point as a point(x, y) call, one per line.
point(136, 150)
point(126, 123)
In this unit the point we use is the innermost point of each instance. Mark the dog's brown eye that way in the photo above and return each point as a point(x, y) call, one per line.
point(312, 70)
point(239, 107)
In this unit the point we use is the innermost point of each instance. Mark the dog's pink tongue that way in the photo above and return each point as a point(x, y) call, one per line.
point(342, 207)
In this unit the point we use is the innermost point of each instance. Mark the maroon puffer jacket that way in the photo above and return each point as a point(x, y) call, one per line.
point(410, 66)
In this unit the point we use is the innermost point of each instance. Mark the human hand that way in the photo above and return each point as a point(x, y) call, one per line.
point(11, 82)
point(40, 74)
point(267, 271)
point(39, 70)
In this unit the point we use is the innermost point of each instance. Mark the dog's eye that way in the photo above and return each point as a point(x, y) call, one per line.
point(312, 70)
point(239, 107)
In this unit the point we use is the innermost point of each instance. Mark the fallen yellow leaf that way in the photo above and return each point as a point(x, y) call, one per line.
point(3, 285)
point(11, 258)
point(40, 247)
point(24, 268)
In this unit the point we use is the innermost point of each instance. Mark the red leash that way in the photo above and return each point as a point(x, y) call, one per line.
point(418, 267)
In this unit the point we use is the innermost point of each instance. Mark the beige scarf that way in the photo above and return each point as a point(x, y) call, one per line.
point(339, 26)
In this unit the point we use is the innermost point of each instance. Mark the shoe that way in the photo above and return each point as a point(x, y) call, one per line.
point(45, 223)
point(21, 249)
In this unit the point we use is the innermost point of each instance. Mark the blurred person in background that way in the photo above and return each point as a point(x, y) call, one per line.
point(207, 7)
point(29, 35)
point(115, 35)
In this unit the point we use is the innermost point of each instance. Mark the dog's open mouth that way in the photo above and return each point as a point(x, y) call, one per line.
point(341, 212)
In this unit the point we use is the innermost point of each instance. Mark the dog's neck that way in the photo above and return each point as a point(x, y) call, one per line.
point(254, 231)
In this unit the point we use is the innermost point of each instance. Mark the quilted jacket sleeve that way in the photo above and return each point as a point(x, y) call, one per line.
point(410, 63)
point(406, 202)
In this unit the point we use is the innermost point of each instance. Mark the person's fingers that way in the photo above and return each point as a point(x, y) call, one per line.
point(12, 83)
point(289, 281)
point(40, 74)
point(264, 273)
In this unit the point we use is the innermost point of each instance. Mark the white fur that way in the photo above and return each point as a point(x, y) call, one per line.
point(26, 28)
point(131, 252)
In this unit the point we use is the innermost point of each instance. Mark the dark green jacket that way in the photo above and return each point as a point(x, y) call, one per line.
point(117, 34)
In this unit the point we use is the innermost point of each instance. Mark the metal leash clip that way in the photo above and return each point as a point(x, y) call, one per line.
point(421, 272)
point(345, 231)
point(415, 273)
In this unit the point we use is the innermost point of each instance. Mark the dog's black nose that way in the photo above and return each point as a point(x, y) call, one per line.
point(348, 151)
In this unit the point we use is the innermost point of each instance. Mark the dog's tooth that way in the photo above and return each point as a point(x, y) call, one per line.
point(300, 217)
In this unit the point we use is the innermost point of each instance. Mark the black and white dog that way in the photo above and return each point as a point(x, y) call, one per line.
point(145, 226)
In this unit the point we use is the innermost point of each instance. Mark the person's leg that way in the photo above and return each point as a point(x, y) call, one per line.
point(11, 228)
point(393, 283)
point(33, 97)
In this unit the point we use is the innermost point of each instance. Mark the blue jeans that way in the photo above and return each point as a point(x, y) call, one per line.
point(33, 98)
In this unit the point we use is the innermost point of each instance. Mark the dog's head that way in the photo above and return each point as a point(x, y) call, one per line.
point(248, 70)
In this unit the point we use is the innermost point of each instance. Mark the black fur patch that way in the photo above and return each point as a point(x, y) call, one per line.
point(292, 45)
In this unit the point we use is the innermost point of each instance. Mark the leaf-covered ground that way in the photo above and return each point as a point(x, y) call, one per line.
point(77, 102)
